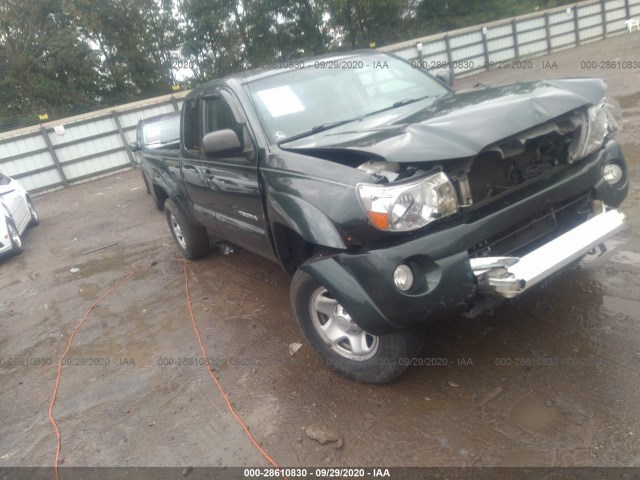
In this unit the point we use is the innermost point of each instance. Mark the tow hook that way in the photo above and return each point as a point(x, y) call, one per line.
point(601, 248)
point(598, 207)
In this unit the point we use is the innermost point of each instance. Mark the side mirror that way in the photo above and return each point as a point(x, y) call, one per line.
point(134, 147)
point(446, 76)
point(223, 143)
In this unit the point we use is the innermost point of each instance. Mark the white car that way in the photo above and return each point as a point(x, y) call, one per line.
point(16, 214)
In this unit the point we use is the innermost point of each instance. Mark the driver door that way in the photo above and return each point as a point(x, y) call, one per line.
point(232, 181)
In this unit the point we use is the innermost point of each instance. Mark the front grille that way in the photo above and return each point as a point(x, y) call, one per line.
point(532, 232)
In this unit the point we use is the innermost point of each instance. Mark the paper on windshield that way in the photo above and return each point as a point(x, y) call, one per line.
point(280, 101)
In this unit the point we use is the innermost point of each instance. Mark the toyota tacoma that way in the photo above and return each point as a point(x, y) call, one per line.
point(392, 199)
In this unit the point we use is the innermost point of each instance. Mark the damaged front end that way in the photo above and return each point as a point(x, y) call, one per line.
point(564, 233)
point(519, 256)
point(408, 196)
point(444, 233)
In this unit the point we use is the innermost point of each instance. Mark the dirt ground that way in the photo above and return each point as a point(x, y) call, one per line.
point(131, 399)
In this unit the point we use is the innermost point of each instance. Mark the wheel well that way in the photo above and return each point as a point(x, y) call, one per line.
point(9, 221)
point(146, 182)
point(293, 250)
point(160, 195)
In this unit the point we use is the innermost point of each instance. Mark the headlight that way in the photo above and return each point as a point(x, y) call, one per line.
point(596, 122)
point(408, 206)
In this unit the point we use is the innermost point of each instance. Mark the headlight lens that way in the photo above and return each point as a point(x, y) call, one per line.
point(596, 122)
point(408, 206)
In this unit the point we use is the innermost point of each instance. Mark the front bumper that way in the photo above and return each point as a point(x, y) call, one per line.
point(447, 279)
point(510, 276)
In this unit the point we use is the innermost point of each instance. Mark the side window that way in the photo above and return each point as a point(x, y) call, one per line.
point(220, 117)
point(4, 180)
point(191, 125)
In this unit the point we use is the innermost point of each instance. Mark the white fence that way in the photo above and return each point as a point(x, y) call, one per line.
point(56, 154)
point(70, 150)
point(482, 46)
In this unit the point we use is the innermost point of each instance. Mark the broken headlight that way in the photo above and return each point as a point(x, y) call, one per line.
point(596, 122)
point(408, 205)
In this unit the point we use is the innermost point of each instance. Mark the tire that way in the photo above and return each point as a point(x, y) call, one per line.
point(14, 238)
point(35, 220)
point(146, 182)
point(192, 240)
point(158, 201)
point(345, 347)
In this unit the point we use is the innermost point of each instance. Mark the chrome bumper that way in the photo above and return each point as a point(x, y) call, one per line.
point(510, 276)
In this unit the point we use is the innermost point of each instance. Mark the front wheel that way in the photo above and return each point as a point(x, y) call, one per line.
point(14, 238)
point(192, 240)
point(35, 220)
point(346, 347)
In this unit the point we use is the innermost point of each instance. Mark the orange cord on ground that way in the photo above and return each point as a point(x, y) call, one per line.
point(73, 334)
point(211, 374)
point(204, 353)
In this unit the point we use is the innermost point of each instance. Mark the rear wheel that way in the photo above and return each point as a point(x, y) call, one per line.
point(14, 238)
point(35, 220)
point(159, 197)
point(345, 346)
point(192, 240)
point(146, 182)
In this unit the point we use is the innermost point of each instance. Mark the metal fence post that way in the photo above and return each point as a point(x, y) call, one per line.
point(448, 48)
point(485, 45)
point(123, 137)
point(627, 9)
point(547, 29)
point(54, 156)
point(174, 102)
point(514, 32)
point(576, 24)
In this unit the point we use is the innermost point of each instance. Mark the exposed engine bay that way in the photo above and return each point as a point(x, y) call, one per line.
point(497, 168)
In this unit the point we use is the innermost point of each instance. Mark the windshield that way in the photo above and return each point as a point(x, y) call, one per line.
point(324, 92)
point(161, 132)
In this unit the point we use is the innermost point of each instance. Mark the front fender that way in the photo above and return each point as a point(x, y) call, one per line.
point(348, 291)
point(304, 219)
point(363, 284)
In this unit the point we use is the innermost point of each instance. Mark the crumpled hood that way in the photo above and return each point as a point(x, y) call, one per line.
point(457, 125)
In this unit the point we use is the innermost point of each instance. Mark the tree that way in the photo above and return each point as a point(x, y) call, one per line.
point(44, 65)
point(360, 23)
point(164, 35)
point(225, 36)
point(136, 40)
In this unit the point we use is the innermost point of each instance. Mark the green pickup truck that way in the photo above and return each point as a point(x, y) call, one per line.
point(390, 198)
